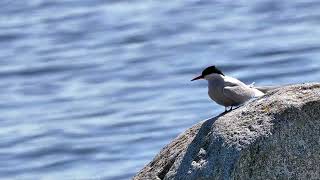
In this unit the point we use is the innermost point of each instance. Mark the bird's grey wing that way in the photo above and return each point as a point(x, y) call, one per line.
point(230, 81)
point(266, 89)
point(238, 94)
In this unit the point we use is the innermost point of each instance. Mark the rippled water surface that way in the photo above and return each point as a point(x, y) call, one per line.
point(94, 89)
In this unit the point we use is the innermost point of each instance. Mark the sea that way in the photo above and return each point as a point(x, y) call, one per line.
point(95, 89)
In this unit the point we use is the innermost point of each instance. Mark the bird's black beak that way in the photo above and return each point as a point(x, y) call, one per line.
point(197, 78)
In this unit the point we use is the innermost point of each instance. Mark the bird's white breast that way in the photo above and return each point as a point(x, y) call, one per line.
point(216, 83)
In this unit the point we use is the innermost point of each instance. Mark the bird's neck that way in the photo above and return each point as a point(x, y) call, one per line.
point(214, 77)
point(216, 81)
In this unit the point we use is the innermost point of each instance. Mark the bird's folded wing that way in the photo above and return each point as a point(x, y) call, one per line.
point(266, 89)
point(238, 94)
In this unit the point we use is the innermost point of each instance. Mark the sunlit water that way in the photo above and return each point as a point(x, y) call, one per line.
point(94, 89)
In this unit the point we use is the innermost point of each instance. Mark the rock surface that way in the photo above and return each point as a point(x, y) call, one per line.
point(274, 137)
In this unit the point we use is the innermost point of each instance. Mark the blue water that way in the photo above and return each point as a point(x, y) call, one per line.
point(94, 89)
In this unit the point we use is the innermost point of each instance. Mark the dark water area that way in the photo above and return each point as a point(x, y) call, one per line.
point(94, 89)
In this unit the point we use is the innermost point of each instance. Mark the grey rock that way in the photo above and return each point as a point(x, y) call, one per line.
point(274, 137)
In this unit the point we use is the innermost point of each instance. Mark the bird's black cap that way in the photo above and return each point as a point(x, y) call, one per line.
point(207, 71)
point(211, 70)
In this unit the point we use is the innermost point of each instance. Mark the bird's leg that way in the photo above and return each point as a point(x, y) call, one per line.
point(226, 109)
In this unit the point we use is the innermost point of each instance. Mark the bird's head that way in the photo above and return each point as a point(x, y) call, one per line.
point(209, 71)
